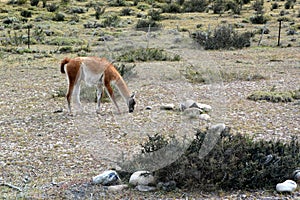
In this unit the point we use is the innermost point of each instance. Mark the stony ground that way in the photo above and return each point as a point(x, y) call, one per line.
point(49, 154)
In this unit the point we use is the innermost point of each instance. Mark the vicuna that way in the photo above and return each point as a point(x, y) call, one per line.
point(95, 71)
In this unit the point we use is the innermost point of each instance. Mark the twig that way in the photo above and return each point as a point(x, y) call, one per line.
point(11, 186)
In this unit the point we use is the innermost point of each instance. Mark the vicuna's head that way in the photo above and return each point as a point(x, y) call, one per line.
point(131, 103)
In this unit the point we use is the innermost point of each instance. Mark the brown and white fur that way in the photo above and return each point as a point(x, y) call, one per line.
point(95, 71)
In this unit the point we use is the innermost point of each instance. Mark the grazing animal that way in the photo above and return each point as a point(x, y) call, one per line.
point(95, 71)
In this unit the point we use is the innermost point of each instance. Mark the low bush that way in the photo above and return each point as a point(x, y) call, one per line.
point(274, 96)
point(147, 54)
point(223, 37)
point(144, 25)
point(195, 5)
point(235, 162)
point(196, 74)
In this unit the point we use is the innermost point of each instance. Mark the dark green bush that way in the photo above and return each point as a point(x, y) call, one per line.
point(126, 11)
point(155, 15)
point(195, 5)
point(34, 2)
point(223, 37)
point(111, 21)
point(258, 19)
point(144, 25)
point(235, 162)
point(59, 17)
point(26, 13)
point(52, 7)
point(171, 8)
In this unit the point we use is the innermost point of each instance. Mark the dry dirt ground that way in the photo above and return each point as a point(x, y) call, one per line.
point(49, 154)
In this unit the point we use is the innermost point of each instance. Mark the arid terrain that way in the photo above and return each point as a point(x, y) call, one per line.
point(48, 154)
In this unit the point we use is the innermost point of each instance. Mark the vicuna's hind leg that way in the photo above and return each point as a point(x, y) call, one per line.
point(76, 94)
point(99, 96)
point(72, 70)
point(69, 95)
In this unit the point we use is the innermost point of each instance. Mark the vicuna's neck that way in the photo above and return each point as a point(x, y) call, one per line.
point(122, 87)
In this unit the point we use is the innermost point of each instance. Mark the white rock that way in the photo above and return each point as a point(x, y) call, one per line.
point(205, 107)
point(193, 104)
point(192, 112)
point(286, 186)
point(145, 188)
point(117, 188)
point(148, 108)
point(217, 128)
point(108, 177)
point(169, 106)
point(205, 117)
point(188, 104)
point(142, 178)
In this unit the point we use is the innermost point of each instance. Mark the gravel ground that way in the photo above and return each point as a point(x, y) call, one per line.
point(49, 154)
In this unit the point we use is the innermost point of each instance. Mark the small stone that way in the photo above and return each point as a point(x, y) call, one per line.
point(117, 188)
point(142, 178)
point(148, 108)
point(145, 188)
point(296, 175)
point(169, 106)
point(286, 186)
point(109, 177)
point(204, 117)
point(205, 107)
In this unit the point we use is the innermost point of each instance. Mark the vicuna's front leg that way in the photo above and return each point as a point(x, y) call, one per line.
point(111, 94)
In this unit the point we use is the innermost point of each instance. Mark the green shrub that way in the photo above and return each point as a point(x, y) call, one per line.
point(196, 74)
point(126, 11)
point(66, 41)
point(144, 25)
point(171, 8)
point(34, 2)
point(272, 96)
point(59, 17)
point(26, 13)
point(258, 19)
point(195, 5)
point(223, 37)
point(147, 54)
point(155, 15)
point(111, 21)
point(235, 162)
point(52, 7)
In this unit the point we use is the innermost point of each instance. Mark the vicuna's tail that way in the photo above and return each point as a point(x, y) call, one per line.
point(62, 65)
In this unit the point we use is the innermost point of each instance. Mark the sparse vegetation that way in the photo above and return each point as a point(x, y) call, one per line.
point(198, 74)
point(274, 96)
point(236, 162)
point(147, 54)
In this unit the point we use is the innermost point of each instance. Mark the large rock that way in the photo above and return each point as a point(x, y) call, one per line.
point(142, 178)
point(286, 186)
point(109, 177)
